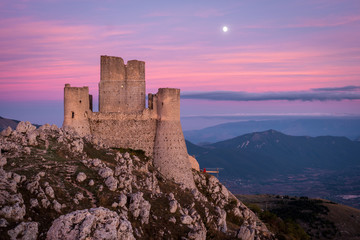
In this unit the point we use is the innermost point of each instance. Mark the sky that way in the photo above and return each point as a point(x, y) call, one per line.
point(277, 57)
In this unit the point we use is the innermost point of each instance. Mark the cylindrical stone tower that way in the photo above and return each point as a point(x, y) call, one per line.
point(170, 152)
point(77, 106)
point(121, 87)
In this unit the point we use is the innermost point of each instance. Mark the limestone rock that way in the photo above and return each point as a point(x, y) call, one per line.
point(122, 200)
point(11, 203)
point(24, 127)
point(57, 206)
point(94, 223)
point(24, 231)
point(34, 202)
point(221, 219)
point(77, 145)
point(173, 206)
point(172, 220)
point(139, 207)
point(6, 132)
point(96, 162)
point(245, 233)
point(81, 177)
point(45, 203)
point(91, 182)
point(198, 232)
point(79, 196)
point(105, 172)
point(32, 138)
point(111, 183)
point(127, 155)
point(50, 192)
point(186, 219)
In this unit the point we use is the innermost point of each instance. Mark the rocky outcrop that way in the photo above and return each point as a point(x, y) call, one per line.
point(11, 202)
point(57, 184)
point(94, 223)
point(24, 231)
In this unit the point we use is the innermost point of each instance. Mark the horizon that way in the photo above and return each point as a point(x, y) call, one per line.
point(284, 58)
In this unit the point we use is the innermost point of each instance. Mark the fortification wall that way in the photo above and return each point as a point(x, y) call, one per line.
point(77, 108)
point(136, 131)
point(170, 152)
point(121, 87)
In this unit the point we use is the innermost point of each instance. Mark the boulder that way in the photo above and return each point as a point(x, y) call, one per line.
point(173, 206)
point(24, 231)
point(91, 182)
point(246, 233)
point(81, 177)
point(24, 127)
point(32, 138)
point(111, 183)
point(105, 172)
point(139, 207)
point(186, 219)
point(122, 200)
point(6, 132)
point(94, 223)
point(50, 192)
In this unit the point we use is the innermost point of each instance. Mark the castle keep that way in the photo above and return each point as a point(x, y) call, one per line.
point(124, 121)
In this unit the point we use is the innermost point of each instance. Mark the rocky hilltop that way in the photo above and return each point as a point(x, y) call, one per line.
point(55, 184)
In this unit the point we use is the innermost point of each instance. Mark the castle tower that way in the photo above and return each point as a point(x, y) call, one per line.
point(77, 107)
point(170, 152)
point(121, 87)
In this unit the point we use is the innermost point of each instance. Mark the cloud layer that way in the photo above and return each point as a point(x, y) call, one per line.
point(321, 94)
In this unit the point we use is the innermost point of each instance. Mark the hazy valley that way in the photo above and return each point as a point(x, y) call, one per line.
point(272, 162)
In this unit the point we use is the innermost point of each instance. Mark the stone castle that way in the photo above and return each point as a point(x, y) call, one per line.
point(124, 121)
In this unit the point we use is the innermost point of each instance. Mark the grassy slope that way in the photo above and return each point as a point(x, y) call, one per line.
point(321, 219)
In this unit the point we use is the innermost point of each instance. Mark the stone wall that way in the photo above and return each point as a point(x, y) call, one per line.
point(170, 152)
point(135, 131)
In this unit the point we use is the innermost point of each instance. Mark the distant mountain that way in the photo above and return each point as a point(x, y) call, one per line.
point(348, 127)
point(265, 154)
point(4, 123)
point(272, 162)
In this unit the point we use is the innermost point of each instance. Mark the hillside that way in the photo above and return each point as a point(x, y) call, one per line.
point(321, 219)
point(275, 153)
point(4, 123)
point(346, 126)
point(56, 185)
point(272, 162)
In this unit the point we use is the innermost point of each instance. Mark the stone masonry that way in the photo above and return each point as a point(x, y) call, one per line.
point(124, 121)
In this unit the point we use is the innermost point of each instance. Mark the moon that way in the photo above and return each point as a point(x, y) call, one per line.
point(225, 28)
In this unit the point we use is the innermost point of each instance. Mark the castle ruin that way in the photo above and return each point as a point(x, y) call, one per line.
point(124, 121)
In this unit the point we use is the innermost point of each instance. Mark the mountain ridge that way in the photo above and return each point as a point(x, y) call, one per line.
point(347, 126)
